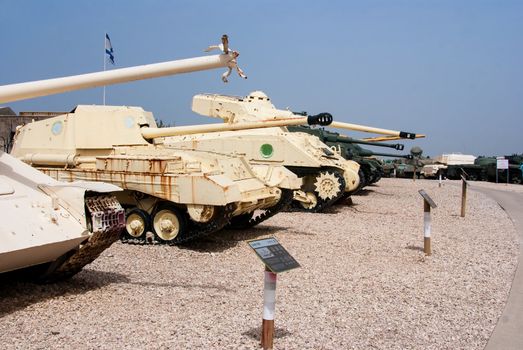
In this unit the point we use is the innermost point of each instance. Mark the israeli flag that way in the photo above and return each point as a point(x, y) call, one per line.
point(109, 48)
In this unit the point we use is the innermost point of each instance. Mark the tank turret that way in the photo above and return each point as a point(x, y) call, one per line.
point(234, 109)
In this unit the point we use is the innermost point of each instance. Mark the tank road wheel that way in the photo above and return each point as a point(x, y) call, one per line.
point(328, 186)
point(137, 223)
point(169, 224)
point(312, 203)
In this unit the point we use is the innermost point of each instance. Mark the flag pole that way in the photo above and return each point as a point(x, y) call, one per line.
point(104, 65)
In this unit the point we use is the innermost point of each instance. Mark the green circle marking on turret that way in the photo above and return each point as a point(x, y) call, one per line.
point(57, 128)
point(266, 150)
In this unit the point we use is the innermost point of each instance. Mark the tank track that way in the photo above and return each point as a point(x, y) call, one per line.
point(322, 204)
point(363, 181)
point(107, 222)
point(194, 230)
point(284, 202)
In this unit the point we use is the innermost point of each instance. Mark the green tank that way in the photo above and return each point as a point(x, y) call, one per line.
point(371, 169)
point(489, 169)
point(407, 166)
point(484, 169)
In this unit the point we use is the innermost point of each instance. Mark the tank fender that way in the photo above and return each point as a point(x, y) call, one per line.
point(210, 189)
point(277, 176)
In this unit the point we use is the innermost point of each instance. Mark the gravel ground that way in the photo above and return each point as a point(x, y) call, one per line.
point(364, 283)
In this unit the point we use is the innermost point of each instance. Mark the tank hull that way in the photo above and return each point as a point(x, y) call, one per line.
point(303, 154)
point(47, 220)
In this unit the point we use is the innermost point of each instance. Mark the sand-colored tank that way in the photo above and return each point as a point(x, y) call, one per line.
point(326, 175)
point(320, 171)
point(175, 194)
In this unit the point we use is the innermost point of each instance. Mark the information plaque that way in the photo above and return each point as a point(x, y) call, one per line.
point(273, 255)
point(502, 163)
point(427, 198)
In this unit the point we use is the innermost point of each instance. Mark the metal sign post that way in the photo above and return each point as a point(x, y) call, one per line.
point(439, 180)
point(276, 259)
point(427, 204)
point(464, 184)
point(269, 306)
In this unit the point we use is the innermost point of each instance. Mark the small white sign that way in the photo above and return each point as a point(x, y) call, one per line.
point(502, 163)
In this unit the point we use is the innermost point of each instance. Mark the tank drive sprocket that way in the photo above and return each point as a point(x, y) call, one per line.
point(106, 220)
point(254, 218)
point(328, 187)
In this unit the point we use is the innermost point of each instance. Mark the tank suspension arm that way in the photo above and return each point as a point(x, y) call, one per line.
point(150, 133)
point(15, 92)
point(363, 128)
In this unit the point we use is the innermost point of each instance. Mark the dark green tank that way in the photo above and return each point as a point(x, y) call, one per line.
point(488, 164)
point(485, 168)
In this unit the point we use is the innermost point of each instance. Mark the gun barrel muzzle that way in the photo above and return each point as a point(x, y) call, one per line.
point(322, 119)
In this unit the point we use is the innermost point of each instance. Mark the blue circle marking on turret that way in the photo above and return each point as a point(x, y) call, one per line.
point(57, 127)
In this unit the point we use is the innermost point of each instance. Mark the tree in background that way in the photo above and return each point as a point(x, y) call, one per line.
point(162, 124)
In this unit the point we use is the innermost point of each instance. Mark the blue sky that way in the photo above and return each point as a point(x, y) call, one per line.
point(450, 69)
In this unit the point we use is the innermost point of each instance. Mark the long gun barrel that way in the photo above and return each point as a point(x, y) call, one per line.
point(16, 92)
point(367, 153)
point(335, 137)
point(396, 146)
point(369, 129)
point(323, 119)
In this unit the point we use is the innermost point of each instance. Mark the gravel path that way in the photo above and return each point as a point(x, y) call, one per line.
point(364, 283)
